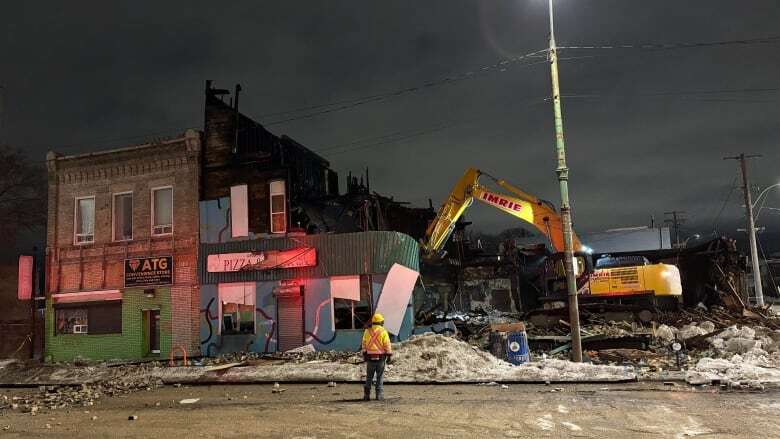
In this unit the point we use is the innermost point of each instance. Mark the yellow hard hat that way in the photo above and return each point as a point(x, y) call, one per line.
point(378, 318)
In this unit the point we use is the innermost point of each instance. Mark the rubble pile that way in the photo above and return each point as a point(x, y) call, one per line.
point(98, 382)
point(306, 354)
point(472, 326)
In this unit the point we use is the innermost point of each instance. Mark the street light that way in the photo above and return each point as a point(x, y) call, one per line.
point(755, 203)
point(563, 181)
point(694, 237)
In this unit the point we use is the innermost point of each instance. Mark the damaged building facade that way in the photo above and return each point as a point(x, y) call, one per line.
point(222, 240)
point(121, 257)
point(285, 260)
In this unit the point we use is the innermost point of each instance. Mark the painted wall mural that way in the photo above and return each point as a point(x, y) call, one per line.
point(318, 321)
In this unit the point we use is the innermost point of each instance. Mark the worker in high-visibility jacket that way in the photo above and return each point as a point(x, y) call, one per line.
point(376, 351)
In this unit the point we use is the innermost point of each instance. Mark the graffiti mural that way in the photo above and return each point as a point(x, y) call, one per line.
point(213, 342)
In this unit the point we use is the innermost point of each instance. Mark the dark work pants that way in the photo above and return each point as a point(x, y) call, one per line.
point(374, 367)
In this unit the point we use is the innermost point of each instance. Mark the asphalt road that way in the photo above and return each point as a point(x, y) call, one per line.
point(317, 411)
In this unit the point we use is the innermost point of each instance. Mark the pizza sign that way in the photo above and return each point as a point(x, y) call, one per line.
point(141, 272)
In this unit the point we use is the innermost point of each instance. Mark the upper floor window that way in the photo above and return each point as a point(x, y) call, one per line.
point(278, 207)
point(84, 221)
point(162, 211)
point(123, 216)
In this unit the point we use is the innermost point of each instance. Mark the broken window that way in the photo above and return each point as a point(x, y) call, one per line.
point(237, 308)
point(278, 207)
point(354, 314)
point(123, 216)
point(100, 318)
point(162, 211)
point(85, 220)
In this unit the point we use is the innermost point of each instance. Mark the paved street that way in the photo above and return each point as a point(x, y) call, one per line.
point(526, 411)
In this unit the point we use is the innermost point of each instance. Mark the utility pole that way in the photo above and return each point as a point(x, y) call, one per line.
point(677, 219)
point(751, 226)
point(563, 179)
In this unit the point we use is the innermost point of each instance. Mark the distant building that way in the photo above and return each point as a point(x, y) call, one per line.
point(122, 244)
point(632, 239)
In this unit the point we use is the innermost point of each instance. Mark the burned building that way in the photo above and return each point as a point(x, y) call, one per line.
point(285, 260)
point(121, 255)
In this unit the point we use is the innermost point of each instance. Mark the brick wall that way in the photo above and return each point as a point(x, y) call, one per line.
point(100, 265)
point(130, 344)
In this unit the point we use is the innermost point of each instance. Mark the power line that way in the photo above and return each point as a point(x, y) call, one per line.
point(399, 136)
point(349, 104)
point(676, 46)
point(723, 206)
point(396, 140)
point(677, 93)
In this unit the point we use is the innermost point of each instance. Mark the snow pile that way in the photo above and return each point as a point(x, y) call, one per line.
point(690, 330)
point(439, 358)
point(741, 355)
point(755, 368)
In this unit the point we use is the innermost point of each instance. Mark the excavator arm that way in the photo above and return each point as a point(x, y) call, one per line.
point(526, 207)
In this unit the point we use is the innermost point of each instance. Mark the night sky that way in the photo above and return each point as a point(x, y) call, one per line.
point(646, 130)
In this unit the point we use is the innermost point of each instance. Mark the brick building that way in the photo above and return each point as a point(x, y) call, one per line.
point(122, 248)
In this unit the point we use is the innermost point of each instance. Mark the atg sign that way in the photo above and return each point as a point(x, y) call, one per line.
point(141, 272)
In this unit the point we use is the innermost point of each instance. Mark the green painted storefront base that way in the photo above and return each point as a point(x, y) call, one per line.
point(131, 344)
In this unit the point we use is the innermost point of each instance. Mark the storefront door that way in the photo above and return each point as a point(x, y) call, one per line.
point(154, 331)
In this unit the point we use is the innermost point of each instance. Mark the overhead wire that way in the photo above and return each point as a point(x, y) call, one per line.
point(723, 206)
point(768, 266)
point(400, 136)
point(674, 46)
point(349, 104)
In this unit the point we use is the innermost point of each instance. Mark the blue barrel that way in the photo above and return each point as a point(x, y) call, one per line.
point(517, 348)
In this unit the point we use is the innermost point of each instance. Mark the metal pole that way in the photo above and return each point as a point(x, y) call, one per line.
point(563, 180)
point(752, 234)
point(751, 229)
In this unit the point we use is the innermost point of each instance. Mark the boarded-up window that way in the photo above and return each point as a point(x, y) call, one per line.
point(239, 215)
point(84, 224)
point(105, 318)
point(162, 211)
point(278, 207)
point(123, 217)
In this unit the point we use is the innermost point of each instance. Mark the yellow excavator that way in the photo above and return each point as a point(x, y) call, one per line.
point(623, 280)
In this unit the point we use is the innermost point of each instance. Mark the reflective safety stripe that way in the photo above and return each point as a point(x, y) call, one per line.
point(374, 342)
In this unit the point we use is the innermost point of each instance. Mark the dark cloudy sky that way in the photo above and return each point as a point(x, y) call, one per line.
point(80, 75)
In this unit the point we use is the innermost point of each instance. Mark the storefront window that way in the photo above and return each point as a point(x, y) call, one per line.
point(72, 321)
point(98, 318)
point(352, 314)
point(237, 315)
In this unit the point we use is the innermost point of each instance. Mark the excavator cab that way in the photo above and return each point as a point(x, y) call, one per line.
point(553, 276)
